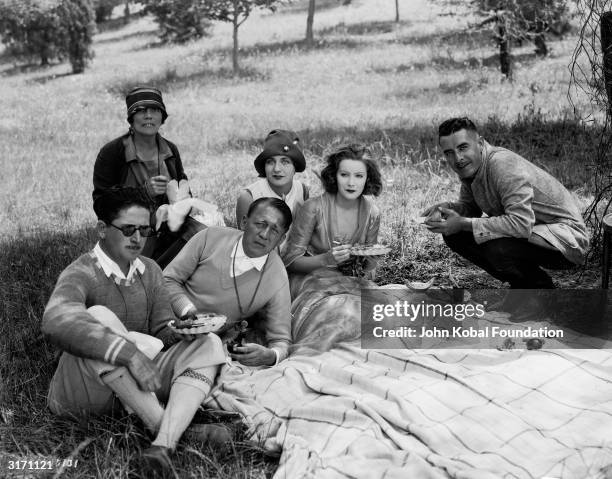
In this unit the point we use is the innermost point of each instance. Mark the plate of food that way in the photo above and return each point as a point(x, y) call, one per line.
point(204, 324)
point(369, 250)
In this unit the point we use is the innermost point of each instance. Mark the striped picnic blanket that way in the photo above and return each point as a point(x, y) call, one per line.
point(344, 411)
point(430, 413)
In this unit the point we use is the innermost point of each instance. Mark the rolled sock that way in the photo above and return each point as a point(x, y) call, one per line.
point(144, 404)
point(184, 401)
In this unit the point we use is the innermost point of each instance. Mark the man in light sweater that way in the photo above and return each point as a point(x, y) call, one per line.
point(226, 271)
point(109, 312)
point(532, 220)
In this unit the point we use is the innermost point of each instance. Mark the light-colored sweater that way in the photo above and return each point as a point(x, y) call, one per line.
point(141, 304)
point(521, 201)
point(200, 275)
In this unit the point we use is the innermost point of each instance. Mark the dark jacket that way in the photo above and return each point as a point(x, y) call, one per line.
point(114, 167)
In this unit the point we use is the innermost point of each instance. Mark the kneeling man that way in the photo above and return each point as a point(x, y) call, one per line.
point(532, 220)
point(240, 275)
point(109, 313)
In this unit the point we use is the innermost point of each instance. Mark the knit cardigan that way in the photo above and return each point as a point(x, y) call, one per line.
point(200, 275)
point(142, 304)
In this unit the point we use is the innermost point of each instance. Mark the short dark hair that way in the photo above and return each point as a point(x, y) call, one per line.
point(113, 201)
point(453, 125)
point(373, 185)
point(276, 203)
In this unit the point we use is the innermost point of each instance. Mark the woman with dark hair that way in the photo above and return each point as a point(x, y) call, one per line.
point(327, 226)
point(144, 159)
point(325, 277)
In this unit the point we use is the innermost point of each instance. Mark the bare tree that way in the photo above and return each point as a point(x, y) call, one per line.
point(236, 12)
point(309, 22)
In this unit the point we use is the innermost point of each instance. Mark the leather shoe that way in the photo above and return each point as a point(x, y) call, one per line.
point(156, 461)
point(218, 435)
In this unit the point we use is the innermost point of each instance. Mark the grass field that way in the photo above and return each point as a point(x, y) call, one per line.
point(368, 80)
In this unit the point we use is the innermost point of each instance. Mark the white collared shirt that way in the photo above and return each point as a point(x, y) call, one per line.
point(110, 267)
point(244, 263)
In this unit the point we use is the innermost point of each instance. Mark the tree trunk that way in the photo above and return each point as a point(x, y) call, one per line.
point(505, 52)
point(126, 12)
point(309, 21)
point(540, 43)
point(606, 48)
point(397, 11)
point(235, 66)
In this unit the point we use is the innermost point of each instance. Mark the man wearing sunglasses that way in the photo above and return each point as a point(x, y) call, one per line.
point(109, 313)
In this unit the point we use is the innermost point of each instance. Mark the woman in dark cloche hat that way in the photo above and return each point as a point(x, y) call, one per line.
point(276, 165)
point(142, 158)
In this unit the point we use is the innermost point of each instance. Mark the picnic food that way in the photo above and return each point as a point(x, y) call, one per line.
point(420, 286)
point(435, 215)
point(369, 250)
point(203, 324)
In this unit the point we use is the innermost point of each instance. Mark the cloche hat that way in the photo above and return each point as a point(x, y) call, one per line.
point(281, 142)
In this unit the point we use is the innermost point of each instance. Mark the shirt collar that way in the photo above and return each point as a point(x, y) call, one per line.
point(241, 257)
point(130, 148)
point(110, 267)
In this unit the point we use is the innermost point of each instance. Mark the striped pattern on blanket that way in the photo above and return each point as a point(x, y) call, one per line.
point(430, 413)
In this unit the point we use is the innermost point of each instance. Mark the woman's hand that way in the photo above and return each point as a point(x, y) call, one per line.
point(253, 354)
point(340, 253)
point(156, 185)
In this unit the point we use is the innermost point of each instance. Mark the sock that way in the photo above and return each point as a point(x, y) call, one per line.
point(184, 401)
point(144, 404)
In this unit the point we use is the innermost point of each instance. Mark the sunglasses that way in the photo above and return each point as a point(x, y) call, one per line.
point(129, 230)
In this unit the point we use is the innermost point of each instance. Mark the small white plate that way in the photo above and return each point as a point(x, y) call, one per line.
point(207, 323)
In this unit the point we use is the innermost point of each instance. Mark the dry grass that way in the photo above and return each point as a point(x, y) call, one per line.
point(368, 80)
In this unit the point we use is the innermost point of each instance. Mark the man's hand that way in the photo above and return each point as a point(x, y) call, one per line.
point(433, 208)
point(144, 371)
point(253, 354)
point(454, 223)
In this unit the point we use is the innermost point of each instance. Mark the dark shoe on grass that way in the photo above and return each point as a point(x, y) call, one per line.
point(156, 462)
point(218, 435)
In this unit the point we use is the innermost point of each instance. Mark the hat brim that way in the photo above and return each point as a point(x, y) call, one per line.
point(147, 102)
point(296, 156)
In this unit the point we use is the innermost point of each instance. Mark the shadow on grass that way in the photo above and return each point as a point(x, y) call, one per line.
point(29, 268)
point(124, 37)
point(450, 88)
point(302, 7)
point(171, 79)
point(363, 28)
point(31, 67)
point(447, 63)
point(458, 40)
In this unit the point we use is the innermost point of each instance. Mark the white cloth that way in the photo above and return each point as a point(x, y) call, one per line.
point(110, 267)
point(294, 199)
point(243, 263)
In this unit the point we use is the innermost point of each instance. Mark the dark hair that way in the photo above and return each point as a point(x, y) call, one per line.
point(276, 203)
point(453, 125)
point(113, 201)
point(373, 185)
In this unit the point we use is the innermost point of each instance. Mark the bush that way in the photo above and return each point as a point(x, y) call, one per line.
point(180, 20)
point(48, 29)
point(104, 9)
